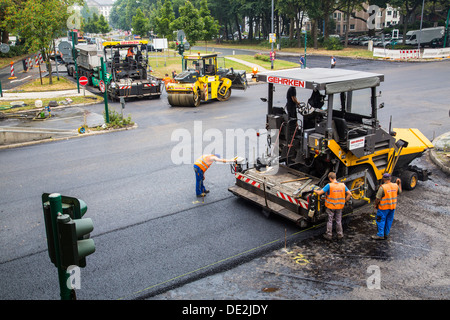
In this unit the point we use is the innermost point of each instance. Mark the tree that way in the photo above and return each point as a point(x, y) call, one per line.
point(408, 8)
point(210, 25)
point(36, 21)
point(190, 22)
point(140, 23)
point(164, 18)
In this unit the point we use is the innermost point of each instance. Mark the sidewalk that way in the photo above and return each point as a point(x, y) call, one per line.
point(43, 94)
point(440, 154)
point(251, 65)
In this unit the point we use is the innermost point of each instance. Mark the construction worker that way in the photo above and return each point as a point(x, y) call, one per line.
point(200, 166)
point(292, 102)
point(386, 202)
point(336, 195)
point(167, 80)
point(130, 52)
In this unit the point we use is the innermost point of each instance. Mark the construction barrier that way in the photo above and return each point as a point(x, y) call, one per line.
point(41, 61)
point(409, 54)
point(12, 72)
point(36, 60)
point(30, 63)
point(426, 53)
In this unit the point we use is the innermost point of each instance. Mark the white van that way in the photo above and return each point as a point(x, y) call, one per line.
point(425, 37)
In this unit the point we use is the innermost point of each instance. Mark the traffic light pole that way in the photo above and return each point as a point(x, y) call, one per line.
point(105, 94)
point(75, 60)
point(63, 276)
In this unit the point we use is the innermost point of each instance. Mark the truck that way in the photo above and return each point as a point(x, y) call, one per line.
point(127, 62)
point(335, 130)
point(425, 36)
point(126, 76)
point(88, 62)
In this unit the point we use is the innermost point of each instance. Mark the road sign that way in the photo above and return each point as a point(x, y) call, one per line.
point(272, 37)
point(83, 81)
point(101, 85)
point(4, 48)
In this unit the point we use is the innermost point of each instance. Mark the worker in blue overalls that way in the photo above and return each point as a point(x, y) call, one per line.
point(200, 166)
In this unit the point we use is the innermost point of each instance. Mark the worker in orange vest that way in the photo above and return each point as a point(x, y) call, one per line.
point(167, 80)
point(200, 166)
point(386, 202)
point(336, 195)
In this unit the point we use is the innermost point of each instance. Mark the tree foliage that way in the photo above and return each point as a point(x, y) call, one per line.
point(140, 24)
point(36, 21)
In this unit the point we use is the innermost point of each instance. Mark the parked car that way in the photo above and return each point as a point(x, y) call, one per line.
point(437, 43)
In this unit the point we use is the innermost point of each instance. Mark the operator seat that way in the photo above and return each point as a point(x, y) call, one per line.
point(342, 130)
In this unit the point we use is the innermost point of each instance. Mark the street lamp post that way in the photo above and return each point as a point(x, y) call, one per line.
point(271, 60)
point(420, 34)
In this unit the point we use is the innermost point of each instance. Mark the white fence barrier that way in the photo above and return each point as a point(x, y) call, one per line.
point(412, 54)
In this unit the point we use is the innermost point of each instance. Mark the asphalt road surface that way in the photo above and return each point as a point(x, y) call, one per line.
point(151, 232)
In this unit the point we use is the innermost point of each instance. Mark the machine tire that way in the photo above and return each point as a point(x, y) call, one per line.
point(224, 97)
point(197, 98)
point(409, 180)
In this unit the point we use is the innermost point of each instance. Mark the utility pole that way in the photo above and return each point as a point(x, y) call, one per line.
point(420, 34)
point(446, 29)
point(74, 56)
point(271, 60)
point(105, 93)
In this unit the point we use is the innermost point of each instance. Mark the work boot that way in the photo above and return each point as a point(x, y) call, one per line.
point(328, 237)
point(377, 237)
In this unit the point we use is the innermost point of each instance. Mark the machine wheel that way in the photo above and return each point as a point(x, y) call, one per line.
point(184, 100)
point(224, 97)
point(409, 180)
point(359, 182)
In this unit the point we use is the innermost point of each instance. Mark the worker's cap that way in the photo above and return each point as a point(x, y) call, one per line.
point(386, 176)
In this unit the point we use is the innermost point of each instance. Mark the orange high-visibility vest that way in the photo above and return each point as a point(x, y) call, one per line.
point(204, 162)
point(389, 199)
point(336, 197)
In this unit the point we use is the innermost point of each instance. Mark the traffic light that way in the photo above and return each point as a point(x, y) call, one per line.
point(75, 53)
point(181, 49)
point(67, 232)
point(50, 231)
point(96, 72)
point(74, 248)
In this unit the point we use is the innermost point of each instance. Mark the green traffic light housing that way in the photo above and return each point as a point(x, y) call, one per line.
point(67, 233)
point(74, 248)
point(181, 49)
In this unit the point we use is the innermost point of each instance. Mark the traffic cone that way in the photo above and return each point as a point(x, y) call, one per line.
point(12, 71)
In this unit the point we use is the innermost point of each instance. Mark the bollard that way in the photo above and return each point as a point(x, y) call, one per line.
point(25, 65)
point(12, 71)
point(1, 91)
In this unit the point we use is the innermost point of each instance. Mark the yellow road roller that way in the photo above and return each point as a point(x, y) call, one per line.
point(202, 80)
